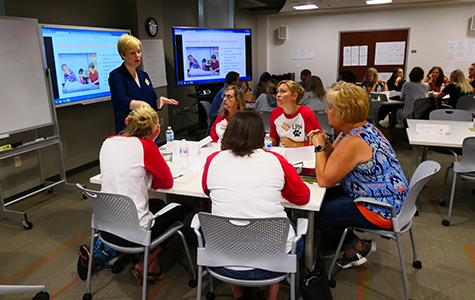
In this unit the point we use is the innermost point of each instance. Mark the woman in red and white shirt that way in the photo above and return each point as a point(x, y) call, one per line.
point(245, 181)
point(291, 122)
point(131, 164)
point(233, 100)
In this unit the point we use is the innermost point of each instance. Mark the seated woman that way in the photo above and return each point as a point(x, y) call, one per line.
point(314, 96)
point(266, 177)
point(457, 88)
point(261, 87)
point(411, 91)
point(362, 160)
point(267, 102)
point(291, 122)
point(435, 78)
point(130, 164)
point(371, 82)
point(233, 100)
point(396, 81)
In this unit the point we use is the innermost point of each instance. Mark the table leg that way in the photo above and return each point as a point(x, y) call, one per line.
point(309, 240)
point(414, 160)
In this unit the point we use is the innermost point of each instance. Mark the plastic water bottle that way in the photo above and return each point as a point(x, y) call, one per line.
point(170, 134)
point(442, 87)
point(267, 142)
point(184, 151)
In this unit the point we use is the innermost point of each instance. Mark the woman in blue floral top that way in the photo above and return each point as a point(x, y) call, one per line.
point(362, 160)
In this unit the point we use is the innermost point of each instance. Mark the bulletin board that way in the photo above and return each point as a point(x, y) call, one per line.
point(384, 50)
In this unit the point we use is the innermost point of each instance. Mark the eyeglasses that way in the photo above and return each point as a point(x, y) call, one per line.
point(228, 96)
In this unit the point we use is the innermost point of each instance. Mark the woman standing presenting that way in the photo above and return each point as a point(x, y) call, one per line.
point(233, 100)
point(130, 165)
point(290, 122)
point(362, 160)
point(264, 178)
point(130, 87)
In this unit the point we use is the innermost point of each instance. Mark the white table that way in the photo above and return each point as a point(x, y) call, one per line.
point(457, 133)
point(193, 188)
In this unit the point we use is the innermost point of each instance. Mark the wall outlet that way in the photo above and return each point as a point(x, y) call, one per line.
point(17, 161)
point(186, 109)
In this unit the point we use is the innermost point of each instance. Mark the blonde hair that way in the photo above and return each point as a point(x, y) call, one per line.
point(294, 87)
point(461, 81)
point(350, 102)
point(141, 122)
point(239, 95)
point(375, 75)
point(127, 43)
point(272, 86)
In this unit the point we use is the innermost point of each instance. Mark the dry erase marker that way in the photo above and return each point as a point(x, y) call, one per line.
point(181, 175)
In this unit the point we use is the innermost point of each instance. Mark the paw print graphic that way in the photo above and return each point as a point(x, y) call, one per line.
point(297, 132)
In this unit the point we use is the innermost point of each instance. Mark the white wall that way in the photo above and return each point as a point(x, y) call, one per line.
point(430, 30)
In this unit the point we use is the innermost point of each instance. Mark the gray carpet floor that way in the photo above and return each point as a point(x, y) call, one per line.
point(47, 254)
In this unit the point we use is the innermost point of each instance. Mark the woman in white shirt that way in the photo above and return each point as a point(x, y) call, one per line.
point(265, 176)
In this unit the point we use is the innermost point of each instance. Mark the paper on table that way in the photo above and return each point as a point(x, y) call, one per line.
point(185, 175)
point(300, 154)
point(432, 129)
point(205, 141)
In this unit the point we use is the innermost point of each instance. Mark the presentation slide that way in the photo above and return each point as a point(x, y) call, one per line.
point(209, 54)
point(81, 61)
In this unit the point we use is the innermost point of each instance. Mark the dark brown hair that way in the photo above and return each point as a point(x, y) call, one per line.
point(441, 77)
point(417, 74)
point(245, 132)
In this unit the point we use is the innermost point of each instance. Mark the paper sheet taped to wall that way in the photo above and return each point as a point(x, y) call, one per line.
point(390, 53)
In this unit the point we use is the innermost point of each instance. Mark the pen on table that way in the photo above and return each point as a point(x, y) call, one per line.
point(181, 175)
point(307, 181)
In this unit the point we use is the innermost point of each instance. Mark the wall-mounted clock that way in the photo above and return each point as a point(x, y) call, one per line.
point(152, 26)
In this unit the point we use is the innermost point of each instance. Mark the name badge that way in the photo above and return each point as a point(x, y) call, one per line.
point(147, 82)
point(285, 126)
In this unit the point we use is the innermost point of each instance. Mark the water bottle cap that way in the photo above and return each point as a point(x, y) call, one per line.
point(183, 140)
point(169, 127)
point(267, 134)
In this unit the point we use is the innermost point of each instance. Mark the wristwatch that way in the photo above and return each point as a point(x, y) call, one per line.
point(319, 148)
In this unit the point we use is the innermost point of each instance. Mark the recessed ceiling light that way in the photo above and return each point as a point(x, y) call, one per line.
point(305, 7)
point(370, 2)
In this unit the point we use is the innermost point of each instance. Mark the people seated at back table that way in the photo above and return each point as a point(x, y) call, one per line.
point(232, 78)
point(411, 91)
point(362, 160)
point(396, 81)
point(314, 96)
point(261, 87)
point(457, 88)
point(290, 122)
point(233, 100)
point(436, 78)
point(304, 75)
point(372, 82)
point(267, 102)
point(245, 181)
point(471, 75)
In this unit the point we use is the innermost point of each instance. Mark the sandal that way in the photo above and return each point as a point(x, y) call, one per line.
point(152, 277)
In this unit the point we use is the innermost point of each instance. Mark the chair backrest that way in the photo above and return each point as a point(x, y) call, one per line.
point(421, 176)
point(266, 120)
point(254, 243)
point(323, 120)
point(207, 108)
point(466, 102)
point(374, 107)
point(468, 152)
point(451, 115)
point(422, 108)
point(116, 214)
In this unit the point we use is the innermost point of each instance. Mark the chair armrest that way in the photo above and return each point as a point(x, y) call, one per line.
point(195, 224)
point(454, 154)
point(376, 202)
point(302, 226)
point(162, 211)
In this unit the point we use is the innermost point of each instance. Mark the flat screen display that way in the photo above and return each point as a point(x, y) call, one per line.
point(80, 60)
point(206, 55)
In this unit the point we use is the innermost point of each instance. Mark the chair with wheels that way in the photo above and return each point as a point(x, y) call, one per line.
point(402, 222)
point(447, 115)
point(253, 243)
point(117, 214)
point(16, 289)
point(207, 108)
point(464, 169)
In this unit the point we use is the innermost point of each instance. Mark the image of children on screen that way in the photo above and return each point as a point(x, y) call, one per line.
point(209, 61)
point(87, 73)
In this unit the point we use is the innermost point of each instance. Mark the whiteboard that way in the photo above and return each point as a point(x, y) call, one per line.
point(24, 101)
point(154, 62)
